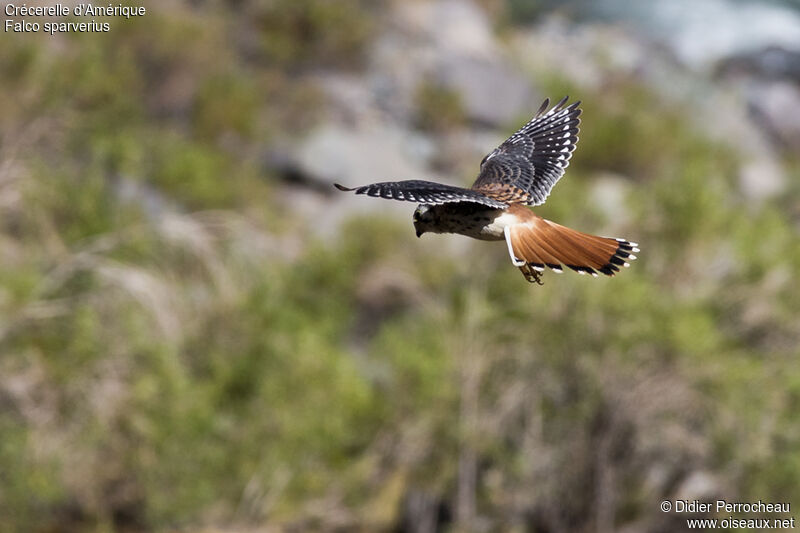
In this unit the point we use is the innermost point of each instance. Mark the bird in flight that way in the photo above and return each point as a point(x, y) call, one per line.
point(518, 173)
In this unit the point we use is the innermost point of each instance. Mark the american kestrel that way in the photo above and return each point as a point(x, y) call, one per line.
point(518, 173)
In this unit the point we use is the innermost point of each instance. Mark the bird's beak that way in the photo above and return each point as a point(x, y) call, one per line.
point(419, 234)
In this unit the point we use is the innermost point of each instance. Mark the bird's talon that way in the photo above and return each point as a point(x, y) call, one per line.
point(531, 274)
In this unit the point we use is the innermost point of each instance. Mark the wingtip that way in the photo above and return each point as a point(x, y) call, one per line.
point(563, 102)
point(543, 107)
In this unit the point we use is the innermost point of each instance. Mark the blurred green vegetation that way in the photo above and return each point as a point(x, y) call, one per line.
point(168, 362)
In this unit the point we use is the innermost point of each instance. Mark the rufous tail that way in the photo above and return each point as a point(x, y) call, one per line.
point(541, 243)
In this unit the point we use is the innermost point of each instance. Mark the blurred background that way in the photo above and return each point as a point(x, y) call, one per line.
point(198, 333)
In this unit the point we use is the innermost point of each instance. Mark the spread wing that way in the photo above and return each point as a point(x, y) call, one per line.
point(529, 163)
point(424, 192)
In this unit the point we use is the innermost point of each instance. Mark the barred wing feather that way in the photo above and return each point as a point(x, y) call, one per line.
point(424, 192)
point(529, 163)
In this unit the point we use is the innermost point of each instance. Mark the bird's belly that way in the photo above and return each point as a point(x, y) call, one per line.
point(485, 225)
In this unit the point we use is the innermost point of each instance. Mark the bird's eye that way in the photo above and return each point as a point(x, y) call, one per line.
point(416, 216)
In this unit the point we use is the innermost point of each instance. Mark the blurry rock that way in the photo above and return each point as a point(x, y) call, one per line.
point(761, 178)
point(771, 63)
point(698, 485)
point(723, 118)
point(492, 93)
point(588, 55)
point(453, 27)
point(460, 152)
point(609, 192)
point(449, 43)
point(357, 156)
point(323, 211)
point(350, 99)
point(776, 107)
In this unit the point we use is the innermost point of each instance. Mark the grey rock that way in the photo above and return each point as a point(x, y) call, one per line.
point(776, 107)
point(772, 63)
point(492, 93)
point(723, 117)
point(762, 178)
point(452, 27)
point(351, 155)
point(449, 43)
point(350, 99)
point(699, 485)
point(609, 194)
point(361, 155)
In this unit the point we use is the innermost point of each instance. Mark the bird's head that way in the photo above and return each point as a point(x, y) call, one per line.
point(423, 219)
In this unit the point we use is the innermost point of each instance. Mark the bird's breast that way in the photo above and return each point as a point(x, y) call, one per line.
point(479, 223)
